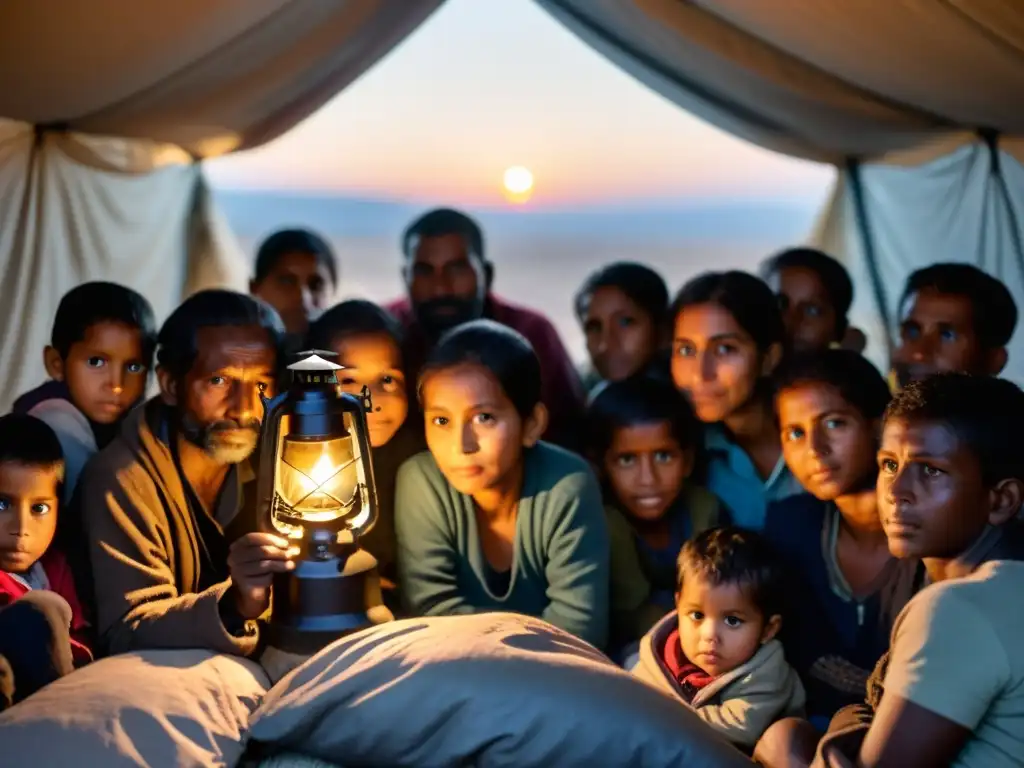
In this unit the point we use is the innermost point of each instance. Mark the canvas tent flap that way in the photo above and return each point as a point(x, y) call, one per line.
point(966, 206)
point(822, 81)
point(63, 222)
point(901, 82)
point(104, 108)
point(210, 77)
point(911, 97)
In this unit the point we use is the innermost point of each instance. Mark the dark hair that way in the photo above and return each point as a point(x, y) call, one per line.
point(641, 284)
point(444, 221)
point(833, 276)
point(355, 317)
point(99, 302)
point(993, 308)
point(640, 399)
point(502, 351)
point(985, 414)
point(216, 308)
point(858, 382)
point(736, 556)
point(747, 298)
point(29, 441)
point(286, 241)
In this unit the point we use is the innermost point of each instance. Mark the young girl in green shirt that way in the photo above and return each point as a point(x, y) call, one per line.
point(491, 519)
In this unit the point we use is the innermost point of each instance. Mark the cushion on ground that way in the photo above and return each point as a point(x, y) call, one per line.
point(484, 690)
point(159, 709)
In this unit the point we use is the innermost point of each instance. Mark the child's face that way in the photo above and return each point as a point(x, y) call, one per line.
point(827, 443)
point(806, 307)
point(646, 469)
point(473, 430)
point(932, 499)
point(621, 336)
point(104, 372)
point(720, 628)
point(375, 361)
point(715, 363)
point(936, 336)
point(28, 513)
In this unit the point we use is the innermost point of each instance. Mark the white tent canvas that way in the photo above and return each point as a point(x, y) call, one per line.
point(107, 109)
point(917, 103)
point(110, 104)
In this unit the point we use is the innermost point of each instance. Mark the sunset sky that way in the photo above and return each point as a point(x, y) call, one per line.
point(487, 85)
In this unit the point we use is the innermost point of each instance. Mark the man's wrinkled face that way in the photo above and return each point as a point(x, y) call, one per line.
point(218, 400)
point(447, 282)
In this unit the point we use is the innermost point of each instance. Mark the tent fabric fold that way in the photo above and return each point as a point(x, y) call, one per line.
point(966, 206)
point(210, 77)
point(63, 222)
point(822, 81)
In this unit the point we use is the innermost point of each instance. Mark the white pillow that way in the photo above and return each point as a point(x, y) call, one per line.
point(150, 708)
point(488, 690)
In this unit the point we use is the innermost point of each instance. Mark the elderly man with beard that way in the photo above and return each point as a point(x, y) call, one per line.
point(168, 506)
point(448, 280)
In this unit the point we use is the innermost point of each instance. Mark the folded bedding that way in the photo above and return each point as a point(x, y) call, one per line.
point(159, 709)
point(485, 690)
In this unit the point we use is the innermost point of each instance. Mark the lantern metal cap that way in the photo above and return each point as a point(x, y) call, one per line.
point(315, 360)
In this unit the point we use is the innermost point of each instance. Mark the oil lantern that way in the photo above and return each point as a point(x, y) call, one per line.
point(316, 489)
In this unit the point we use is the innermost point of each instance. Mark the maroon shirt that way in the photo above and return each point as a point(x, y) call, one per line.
point(690, 677)
point(562, 391)
point(61, 582)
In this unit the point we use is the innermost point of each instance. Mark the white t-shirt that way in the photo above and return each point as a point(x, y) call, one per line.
point(958, 651)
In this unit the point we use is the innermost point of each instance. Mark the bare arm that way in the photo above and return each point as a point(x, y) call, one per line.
point(906, 735)
point(934, 698)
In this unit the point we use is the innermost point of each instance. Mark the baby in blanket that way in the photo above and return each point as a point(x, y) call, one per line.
point(717, 653)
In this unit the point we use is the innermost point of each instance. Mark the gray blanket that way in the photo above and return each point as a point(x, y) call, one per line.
point(486, 690)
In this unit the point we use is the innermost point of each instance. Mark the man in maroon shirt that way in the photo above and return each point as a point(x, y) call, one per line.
point(449, 283)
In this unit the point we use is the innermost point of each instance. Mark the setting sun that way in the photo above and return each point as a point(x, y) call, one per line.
point(518, 183)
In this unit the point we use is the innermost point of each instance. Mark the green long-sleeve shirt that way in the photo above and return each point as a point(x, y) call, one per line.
point(560, 569)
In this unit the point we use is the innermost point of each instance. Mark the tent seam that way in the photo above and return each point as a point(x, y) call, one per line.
point(991, 139)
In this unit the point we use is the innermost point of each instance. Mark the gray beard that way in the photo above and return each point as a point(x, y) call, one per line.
point(209, 438)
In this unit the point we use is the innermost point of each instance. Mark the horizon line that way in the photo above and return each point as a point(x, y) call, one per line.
point(637, 204)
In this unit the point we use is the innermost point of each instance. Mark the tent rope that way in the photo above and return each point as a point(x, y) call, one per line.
point(860, 208)
point(991, 138)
